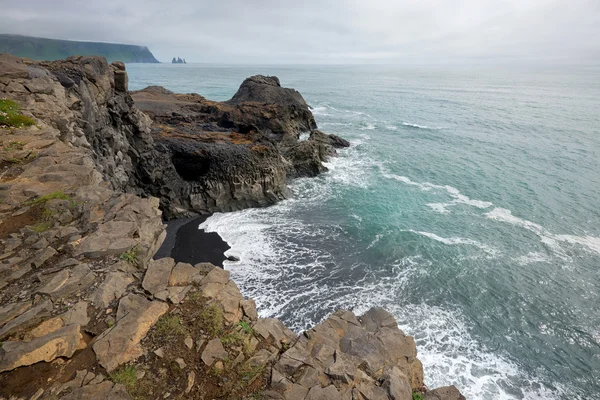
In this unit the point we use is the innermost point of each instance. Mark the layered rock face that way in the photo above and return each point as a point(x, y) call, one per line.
point(231, 155)
point(86, 313)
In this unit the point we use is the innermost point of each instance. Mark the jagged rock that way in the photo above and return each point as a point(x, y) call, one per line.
point(67, 282)
point(306, 159)
point(189, 342)
point(444, 393)
point(190, 382)
point(112, 288)
point(274, 330)
point(184, 274)
point(214, 351)
point(43, 256)
point(121, 343)
point(329, 140)
point(61, 343)
point(13, 310)
point(46, 327)
point(157, 275)
point(327, 393)
point(249, 307)
point(26, 320)
point(76, 315)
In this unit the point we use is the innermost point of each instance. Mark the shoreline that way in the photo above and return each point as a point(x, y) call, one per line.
point(186, 243)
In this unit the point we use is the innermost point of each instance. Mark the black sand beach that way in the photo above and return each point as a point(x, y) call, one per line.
point(186, 243)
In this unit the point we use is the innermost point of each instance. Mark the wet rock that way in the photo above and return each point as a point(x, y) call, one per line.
point(61, 343)
point(121, 343)
point(233, 258)
point(214, 351)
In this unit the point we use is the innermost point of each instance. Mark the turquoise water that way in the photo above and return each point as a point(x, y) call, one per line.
point(468, 205)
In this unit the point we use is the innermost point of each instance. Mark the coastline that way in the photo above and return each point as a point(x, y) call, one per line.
point(186, 243)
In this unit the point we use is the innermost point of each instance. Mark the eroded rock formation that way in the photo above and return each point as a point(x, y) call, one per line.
point(84, 310)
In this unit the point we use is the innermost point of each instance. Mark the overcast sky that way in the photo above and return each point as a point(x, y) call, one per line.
point(324, 31)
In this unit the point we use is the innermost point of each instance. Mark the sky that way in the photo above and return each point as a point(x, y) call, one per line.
point(324, 31)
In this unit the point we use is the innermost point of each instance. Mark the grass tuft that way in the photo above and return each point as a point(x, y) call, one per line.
point(126, 376)
point(417, 396)
point(58, 195)
point(169, 327)
point(10, 115)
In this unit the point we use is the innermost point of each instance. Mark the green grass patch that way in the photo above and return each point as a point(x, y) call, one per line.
point(58, 195)
point(417, 396)
point(211, 319)
point(126, 376)
point(247, 373)
point(10, 115)
point(42, 226)
point(169, 327)
point(246, 327)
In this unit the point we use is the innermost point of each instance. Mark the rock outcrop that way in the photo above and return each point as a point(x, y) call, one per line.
point(87, 313)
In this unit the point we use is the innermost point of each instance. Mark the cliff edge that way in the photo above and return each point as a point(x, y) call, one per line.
point(86, 313)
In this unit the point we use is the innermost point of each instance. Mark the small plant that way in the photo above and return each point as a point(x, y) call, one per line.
point(126, 376)
point(211, 319)
point(247, 373)
point(169, 327)
point(14, 145)
point(130, 256)
point(245, 327)
point(417, 396)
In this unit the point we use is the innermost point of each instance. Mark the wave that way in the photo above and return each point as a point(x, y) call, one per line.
point(457, 240)
point(417, 126)
point(551, 240)
point(368, 127)
point(452, 191)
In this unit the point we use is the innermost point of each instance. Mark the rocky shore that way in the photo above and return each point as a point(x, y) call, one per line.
point(86, 312)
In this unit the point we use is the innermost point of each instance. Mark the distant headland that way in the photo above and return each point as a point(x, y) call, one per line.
point(53, 49)
point(178, 60)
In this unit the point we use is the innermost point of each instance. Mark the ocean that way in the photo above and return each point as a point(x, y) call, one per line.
point(468, 205)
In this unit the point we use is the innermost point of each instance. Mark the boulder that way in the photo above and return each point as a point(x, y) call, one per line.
point(444, 393)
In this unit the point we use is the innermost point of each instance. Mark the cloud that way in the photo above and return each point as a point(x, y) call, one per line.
point(324, 31)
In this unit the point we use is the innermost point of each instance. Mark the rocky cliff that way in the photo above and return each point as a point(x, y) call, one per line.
point(52, 49)
point(85, 313)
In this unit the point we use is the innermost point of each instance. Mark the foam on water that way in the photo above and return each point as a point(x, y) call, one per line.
point(420, 126)
point(457, 240)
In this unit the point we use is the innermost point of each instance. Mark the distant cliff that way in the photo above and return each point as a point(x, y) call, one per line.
point(52, 49)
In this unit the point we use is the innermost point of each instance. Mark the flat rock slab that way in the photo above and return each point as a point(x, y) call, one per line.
point(26, 320)
point(61, 343)
point(444, 393)
point(67, 282)
point(112, 288)
point(102, 391)
point(214, 351)
point(158, 274)
point(121, 343)
point(13, 310)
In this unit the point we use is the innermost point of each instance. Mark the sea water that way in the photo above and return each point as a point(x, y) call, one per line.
point(468, 205)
